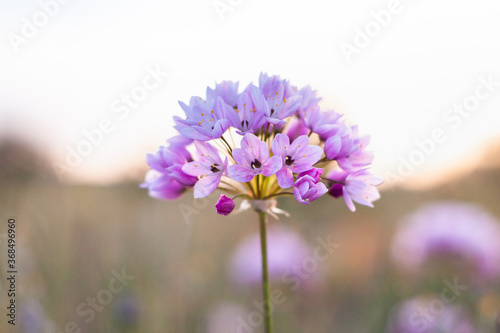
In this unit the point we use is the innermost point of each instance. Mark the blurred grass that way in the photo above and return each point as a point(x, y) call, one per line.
point(71, 237)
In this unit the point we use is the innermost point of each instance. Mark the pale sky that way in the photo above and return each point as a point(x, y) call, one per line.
point(403, 79)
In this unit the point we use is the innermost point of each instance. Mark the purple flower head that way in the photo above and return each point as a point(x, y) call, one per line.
point(358, 186)
point(253, 159)
point(307, 189)
point(228, 90)
point(270, 99)
point(224, 205)
point(446, 230)
point(407, 317)
point(297, 157)
point(205, 119)
point(245, 117)
point(209, 168)
point(286, 253)
point(166, 180)
point(295, 128)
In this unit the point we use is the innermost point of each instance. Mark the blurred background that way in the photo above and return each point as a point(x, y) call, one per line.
point(88, 88)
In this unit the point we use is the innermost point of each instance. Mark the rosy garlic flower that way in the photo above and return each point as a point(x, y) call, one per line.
point(266, 141)
point(260, 143)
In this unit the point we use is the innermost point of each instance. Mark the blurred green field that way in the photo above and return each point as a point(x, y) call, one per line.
point(71, 238)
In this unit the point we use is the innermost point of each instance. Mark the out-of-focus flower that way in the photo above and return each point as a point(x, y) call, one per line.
point(224, 205)
point(166, 180)
point(33, 319)
point(209, 167)
point(421, 315)
point(127, 310)
point(286, 252)
point(253, 159)
point(358, 186)
point(442, 230)
point(227, 317)
point(297, 157)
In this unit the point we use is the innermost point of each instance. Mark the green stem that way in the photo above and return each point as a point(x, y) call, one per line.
point(227, 144)
point(268, 319)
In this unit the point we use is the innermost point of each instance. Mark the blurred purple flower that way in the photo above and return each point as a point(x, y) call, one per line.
point(224, 205)
point(253, 159)
point(33, 319)
point(453, 229)
point(127, 310)
point(297, 157)
point(286, 252)
point(166, 180)
point(419, 315)
point(209, 167)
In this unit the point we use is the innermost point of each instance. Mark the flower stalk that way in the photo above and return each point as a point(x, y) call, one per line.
point(268, 319)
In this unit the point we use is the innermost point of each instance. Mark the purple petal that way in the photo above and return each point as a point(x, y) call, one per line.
point(348, 200)
point(321, 190)
point(193, 169)
point(219, 128)
point(299, 145)
point(332, 146)
point(279, 143)
point(285, 177)
point(168, 191)
point(241, 157)
point(272, 166)
point(193, 133)
point(307, 158)
point(206, 185)
point(241, 174)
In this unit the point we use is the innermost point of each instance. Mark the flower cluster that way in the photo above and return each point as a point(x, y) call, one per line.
point(267, 140)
